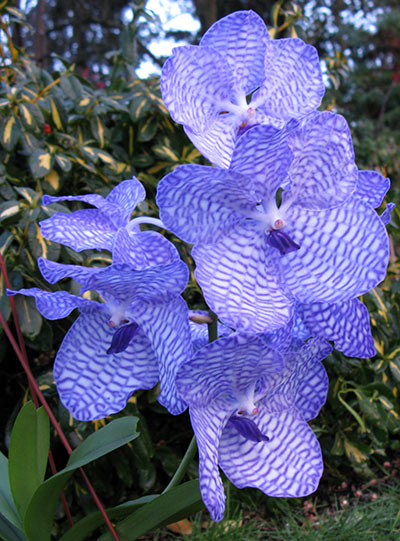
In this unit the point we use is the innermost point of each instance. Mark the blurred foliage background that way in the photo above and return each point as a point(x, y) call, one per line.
point(76, 117)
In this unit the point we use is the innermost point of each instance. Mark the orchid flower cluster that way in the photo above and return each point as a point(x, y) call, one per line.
point(285, 238)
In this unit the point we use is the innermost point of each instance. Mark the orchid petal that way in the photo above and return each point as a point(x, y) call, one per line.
point(196, 201)
point(323, 172)
point(239, 280)
point(81, 230)
point(386, 215)
point(166, 325)
point(53, 272)
point(241, 38)
point(288, 465)
point(372, 187)
point(293, 83)
point(54, 305)
point(343, 253)
point(263, 154)
point(195, 82)
point(123, 199)
point(93, 384)
point(143, 250)
point(346, 324)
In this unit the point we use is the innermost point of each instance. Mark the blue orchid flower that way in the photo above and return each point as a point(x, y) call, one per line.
point(108, 226)
point(255, 258)
point(249, 405)
point(205, 87)
point(139, 335)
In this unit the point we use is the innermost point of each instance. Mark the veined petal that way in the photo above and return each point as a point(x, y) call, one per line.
point(241, 38)
point(54, 305)
point(227, 368)
point(346, 324)
point(92, 198)
point(343, 253)
point(293, 85)
point(372, 187)
point(195, 82)
point(93, 384)
point(120, 281)
point(81, 230)
point(288, 465)
point(218, 141)
point(208, 424)
point(143, 250)
point(239, 280)
point(53, 272)
point(123, 199)
point(263, 154)
point(323, 172)
point(166, 325)
point(197, 202)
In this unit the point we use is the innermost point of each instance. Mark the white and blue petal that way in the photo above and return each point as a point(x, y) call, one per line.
point(54, 305)
point(239, 279)
point(346, 324)
point(123, 199)
point(166, 325)
point(143, 250)
point(197, 202)
point(293, 85)
point(195, 84)
point(323, 173)
point(372, 187)
point(386, 215)
point(241, 38)
point(288, 465)
point(53, 272)
point(343, 253)
point(92, 383)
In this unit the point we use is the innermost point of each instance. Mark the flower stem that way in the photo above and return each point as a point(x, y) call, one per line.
point(183, 466)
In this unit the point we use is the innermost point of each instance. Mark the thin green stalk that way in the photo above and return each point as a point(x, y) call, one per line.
point(183, 466)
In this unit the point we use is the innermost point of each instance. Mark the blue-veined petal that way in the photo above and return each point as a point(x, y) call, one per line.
point(263, 154)
point(372, 187)
point(122, 282)
point(323, 172)
point(93, 384)
point(166, 325)
point(54, 305)
point(197, 202)
point(293, 83)
point(232, 364)
point(346, 324)
point(84, 229)
point(123, 199)
point(241, 38)
point(239, 280)
point(195, 82)
point(288, 465)
point(143, 250)
point(53, 272)
point(208, 424)
point(386, 215)
point(92, 199)
point(218, 141)
point(343, 253)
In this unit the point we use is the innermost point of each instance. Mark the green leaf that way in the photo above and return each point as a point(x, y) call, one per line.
point(31, 115)
point(27, 193)
point(98, 130)
point(178, 503)
point(41, 247)
point(86, 526)
point(41, 162)
point(38, 521)
point(147, 129)
point(63, 162)
point(10, 132)
point(7, 506)
point(29, 318)
point(5, 306)
point(29, 447)
point(9, 209)
point(9, 532)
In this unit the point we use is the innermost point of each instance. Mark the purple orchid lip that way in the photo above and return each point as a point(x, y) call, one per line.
point(122, 337)
point(247, 428)
point(281, 240)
